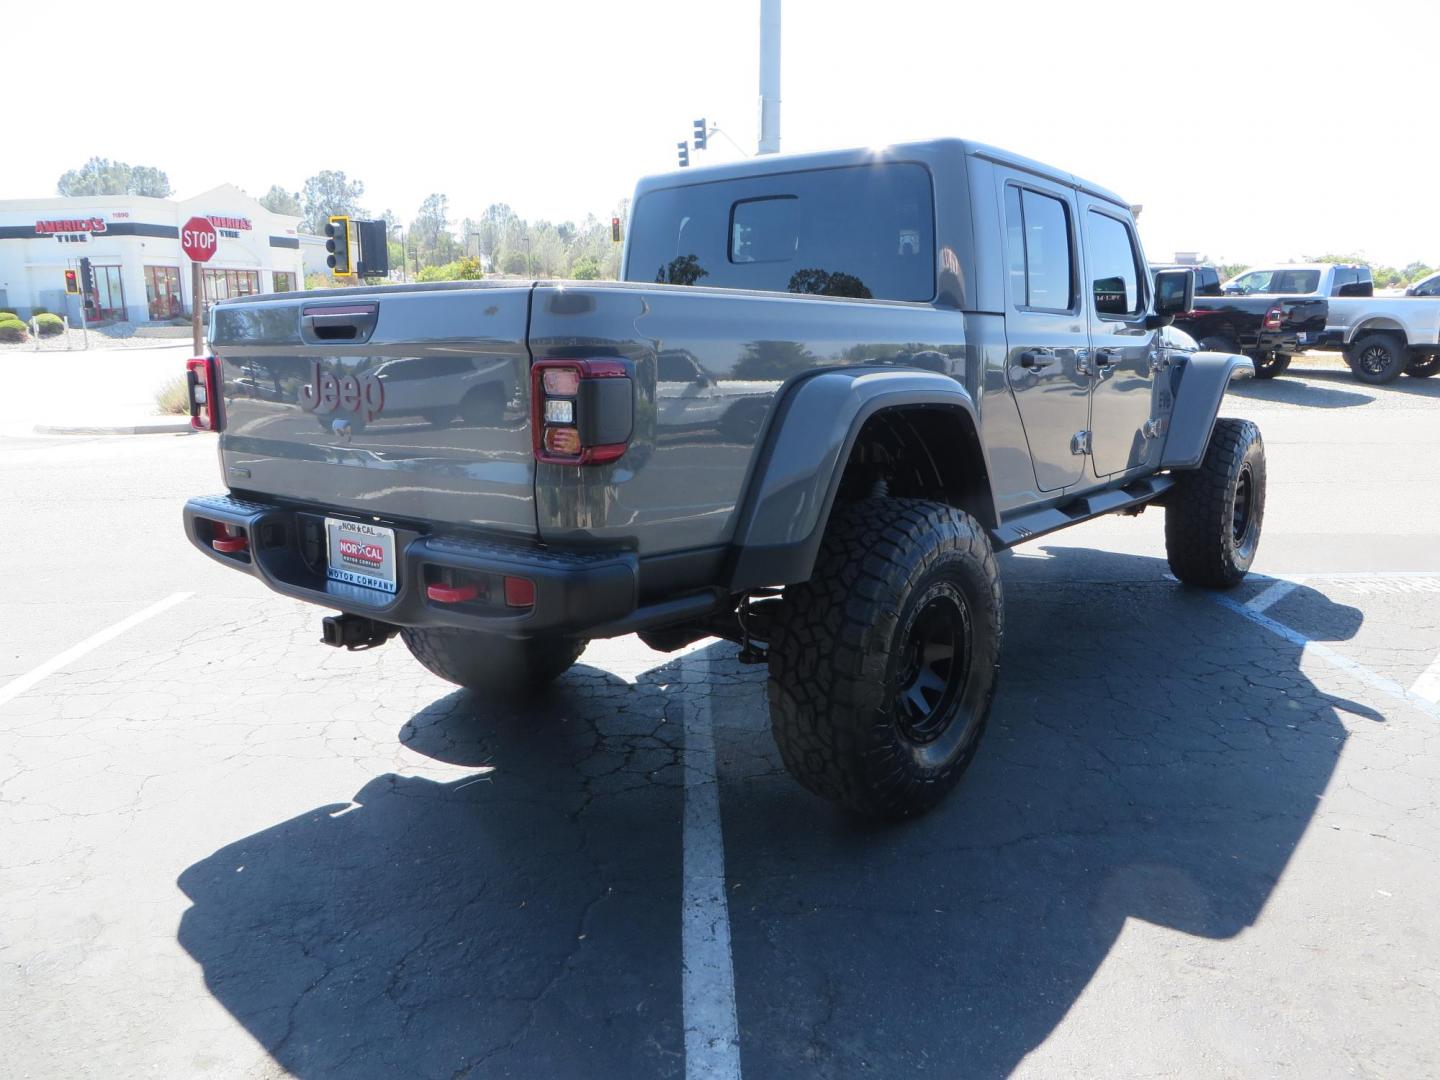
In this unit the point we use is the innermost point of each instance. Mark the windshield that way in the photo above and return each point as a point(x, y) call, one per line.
point(866, 232)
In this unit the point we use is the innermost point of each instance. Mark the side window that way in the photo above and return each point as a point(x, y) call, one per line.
point(1430, 288)
point(1038, 250)
point(1114, 281)
point(1341, 279)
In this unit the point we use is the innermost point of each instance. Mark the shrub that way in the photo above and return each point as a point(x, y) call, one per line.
point(49, 325)
point(9, 316)
point(12, 329)
point(174, 397)
point(585, 269)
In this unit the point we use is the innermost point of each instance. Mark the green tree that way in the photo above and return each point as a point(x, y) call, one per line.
point(279, 201)
point(327, 194)
point(101, 176)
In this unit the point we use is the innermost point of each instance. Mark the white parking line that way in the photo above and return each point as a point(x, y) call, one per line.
point(1307, 647)
point(1427, 685)
point(13, 689)
point(712, 1038)
point(1280, 589)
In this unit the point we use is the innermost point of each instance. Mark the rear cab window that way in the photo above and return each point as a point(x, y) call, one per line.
point(865, 231)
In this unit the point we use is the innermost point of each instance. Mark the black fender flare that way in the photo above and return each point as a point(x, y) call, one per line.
point(789, 494)
point(1201, 386)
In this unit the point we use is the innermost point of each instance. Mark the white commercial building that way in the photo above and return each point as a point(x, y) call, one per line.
point(131, 245)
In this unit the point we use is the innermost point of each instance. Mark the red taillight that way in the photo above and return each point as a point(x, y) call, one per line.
point(203, 385)
point(1274, 318)
point(519, 592)
point(582, 411)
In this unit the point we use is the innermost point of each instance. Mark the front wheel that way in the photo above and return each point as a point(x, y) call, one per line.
point(490, 664)
point(1213, 514)
point(1424, 367)
point(1378, 359)
point(883, 665)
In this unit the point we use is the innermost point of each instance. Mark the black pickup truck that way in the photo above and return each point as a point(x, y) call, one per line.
point(828, 391)
point(1268, 329)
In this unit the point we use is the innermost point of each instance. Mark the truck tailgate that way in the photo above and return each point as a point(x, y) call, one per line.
point(399, 401)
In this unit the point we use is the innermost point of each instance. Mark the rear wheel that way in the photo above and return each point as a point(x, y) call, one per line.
point(1213, 514)
point(488, 663)
point(1378, 358)
point(883, 665)
point(1424, 367)
point(1268, 365)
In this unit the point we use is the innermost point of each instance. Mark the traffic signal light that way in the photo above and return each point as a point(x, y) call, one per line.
point(87, 282)
point(337, 243)
point(700, 135)
point(615, 229)
point(684, 153)
point(72, 283)
point(373, 259)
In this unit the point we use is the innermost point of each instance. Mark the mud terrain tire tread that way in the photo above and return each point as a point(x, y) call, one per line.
point(831, 714)
point(1199, 542)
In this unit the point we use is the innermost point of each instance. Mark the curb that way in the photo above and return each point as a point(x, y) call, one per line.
point(177, 426)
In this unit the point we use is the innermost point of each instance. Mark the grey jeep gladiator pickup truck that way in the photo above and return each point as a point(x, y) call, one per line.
point(933, 352)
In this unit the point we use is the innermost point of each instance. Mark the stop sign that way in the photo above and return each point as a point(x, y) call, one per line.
point(198, 239)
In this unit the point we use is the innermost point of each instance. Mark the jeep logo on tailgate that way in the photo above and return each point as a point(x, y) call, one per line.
point(328, 393)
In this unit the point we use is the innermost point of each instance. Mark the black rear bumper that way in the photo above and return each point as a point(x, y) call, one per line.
point(574, 591)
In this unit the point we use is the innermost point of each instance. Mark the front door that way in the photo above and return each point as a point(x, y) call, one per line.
point(1122, 402)
point(1045, 327)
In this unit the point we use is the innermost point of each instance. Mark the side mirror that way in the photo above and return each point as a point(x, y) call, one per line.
point(1232, 290)
point(1174, 293)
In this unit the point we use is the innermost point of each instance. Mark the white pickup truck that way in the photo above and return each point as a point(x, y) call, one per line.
point(1380, 336)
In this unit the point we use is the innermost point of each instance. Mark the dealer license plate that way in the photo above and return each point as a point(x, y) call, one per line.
point(361, 554)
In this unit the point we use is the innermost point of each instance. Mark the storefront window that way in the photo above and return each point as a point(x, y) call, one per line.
point(162, 292)
point(284, 282)
point(223, 284)
point(109, 294)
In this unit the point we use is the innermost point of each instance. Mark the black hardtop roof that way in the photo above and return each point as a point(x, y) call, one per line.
point(865, 155)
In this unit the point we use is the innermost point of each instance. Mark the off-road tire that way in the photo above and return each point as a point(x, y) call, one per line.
point(1213, 514)
point(847, 642)
point(490, 664)
point(1377, 359)
point(1424, 367)
point(1219, 343)
point(1269, 365)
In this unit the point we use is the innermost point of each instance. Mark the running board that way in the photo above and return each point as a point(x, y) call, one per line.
point(1033, 523)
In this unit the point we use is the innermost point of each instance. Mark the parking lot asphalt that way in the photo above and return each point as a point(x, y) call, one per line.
point(1199, 839)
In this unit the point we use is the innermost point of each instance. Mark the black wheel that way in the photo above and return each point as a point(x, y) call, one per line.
point(1268, 365)
point(883, 665)
point(1213, 515)
point(1377, 358)
point(1219, 343)
point(492, 664)
point(1424, 367)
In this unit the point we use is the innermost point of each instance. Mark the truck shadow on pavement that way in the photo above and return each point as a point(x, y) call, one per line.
point(1295, 391)
point(1151, 756)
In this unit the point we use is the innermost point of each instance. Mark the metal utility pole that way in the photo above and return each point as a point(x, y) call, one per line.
point(769, 77)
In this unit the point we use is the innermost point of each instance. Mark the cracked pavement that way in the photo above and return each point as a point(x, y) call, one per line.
point(1187, 847)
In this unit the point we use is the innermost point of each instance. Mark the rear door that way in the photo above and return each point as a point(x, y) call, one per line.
point(1123, 398)
point(1045, 325)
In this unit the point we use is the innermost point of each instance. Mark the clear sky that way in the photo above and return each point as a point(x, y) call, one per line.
point(1250, 131)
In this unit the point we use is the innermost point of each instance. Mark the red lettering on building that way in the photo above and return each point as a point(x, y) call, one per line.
point(228, 222)
point(68, 225)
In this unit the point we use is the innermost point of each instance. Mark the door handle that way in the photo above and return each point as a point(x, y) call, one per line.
point(1037, 358)
point(1105, 357)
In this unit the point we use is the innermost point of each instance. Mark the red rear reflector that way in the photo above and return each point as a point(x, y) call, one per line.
point(519, 592)
point(563, 381)
point(451, 594)
point(562, 440)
